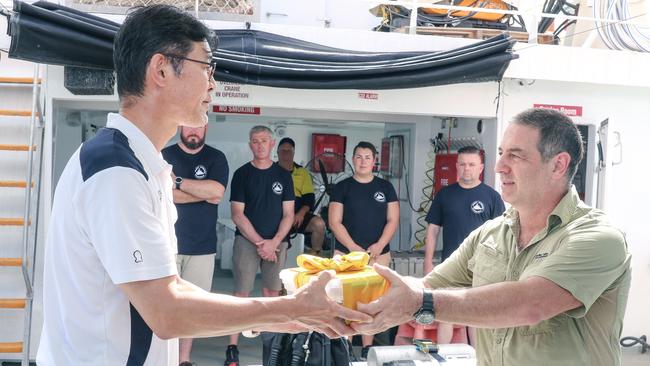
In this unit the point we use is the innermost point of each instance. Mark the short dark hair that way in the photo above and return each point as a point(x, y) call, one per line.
point(149, 30)
point(557, 133)
point(287, 140)
point(471, 150)
point(365, 145)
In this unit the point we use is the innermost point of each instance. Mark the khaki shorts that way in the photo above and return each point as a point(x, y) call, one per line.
point(197, 269)
point(246, 261)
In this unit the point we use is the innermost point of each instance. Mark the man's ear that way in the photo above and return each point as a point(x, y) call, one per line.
point(158, 69)
point(561, 163)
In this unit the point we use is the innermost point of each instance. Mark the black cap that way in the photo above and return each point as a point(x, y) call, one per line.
point(287, 140)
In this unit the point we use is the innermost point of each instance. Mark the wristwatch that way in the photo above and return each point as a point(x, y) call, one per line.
point(178, 182)
point(427, 313)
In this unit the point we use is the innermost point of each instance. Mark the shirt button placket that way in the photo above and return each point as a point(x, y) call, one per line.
point(499, 344)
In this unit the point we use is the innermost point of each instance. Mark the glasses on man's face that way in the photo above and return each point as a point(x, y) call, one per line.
point(212, 63)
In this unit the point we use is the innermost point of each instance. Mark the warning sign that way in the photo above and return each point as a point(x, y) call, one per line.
point(569, 110)
point(368, 95)
point(231, 90)
point(235, 109)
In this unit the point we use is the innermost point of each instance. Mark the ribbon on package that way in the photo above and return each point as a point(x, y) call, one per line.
point(354, 261)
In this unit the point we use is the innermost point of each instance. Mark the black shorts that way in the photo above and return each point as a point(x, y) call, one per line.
point(301, 229)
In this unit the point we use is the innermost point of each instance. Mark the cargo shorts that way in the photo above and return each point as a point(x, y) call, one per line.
point(246, 261)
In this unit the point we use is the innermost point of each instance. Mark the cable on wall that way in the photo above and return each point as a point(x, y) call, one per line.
point(427, 194)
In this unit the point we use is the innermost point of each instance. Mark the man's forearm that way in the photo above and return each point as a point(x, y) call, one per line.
point(181, 197)
point(430, 243)
point(206, 189)
point(283, 229)
point(246, 228)
point(429, 250)
point(175, 308)
point(216, 316)
point(501, 305)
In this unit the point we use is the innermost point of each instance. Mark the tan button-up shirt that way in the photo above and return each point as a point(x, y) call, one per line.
point(578, 250)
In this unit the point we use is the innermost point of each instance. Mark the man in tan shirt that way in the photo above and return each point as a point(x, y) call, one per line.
point(547, 283)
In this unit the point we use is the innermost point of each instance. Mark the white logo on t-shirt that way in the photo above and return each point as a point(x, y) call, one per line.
point(277, 187)
point(137, 255)
point(200, 172)
point(379, 197)
point(477, 207)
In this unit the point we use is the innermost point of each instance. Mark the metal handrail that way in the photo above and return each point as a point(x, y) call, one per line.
point(27, 266)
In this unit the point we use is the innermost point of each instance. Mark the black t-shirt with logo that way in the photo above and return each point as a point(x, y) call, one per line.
point(196, 227)
point(365, 209)
point(262, 191)
point(459, 211)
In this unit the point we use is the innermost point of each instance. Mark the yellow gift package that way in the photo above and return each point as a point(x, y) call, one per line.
point(355, 280)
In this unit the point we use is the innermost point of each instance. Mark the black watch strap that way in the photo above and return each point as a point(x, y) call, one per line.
point(427, 300)
point(426, 314)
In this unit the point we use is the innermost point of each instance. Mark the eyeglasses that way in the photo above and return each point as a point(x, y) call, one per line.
point(212, 63)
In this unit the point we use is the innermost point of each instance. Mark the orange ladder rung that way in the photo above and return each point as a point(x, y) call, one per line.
point(11, 262)
point(17, 80)
point(14, 184)
point(13, 222)
point(16, 147)
point(12, 303)
point(11, 347)
point(15, 113)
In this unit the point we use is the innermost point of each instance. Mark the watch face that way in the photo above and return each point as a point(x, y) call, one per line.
point(178, 179)
point(424, 318)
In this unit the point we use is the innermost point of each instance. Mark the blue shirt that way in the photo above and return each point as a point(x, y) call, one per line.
point(459, 211)
point(196, 227)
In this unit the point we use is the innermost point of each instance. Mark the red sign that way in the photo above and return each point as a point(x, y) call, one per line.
point(235, 109)
point(569, 110)
point(366, 95)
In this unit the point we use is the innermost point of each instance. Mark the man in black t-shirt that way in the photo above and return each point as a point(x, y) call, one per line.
point(200, 174)
point(304, 219)
point(364, 214)
point(261, 201)
point(459, 209)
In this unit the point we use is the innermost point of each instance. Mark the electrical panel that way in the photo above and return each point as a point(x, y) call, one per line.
point(392, 156)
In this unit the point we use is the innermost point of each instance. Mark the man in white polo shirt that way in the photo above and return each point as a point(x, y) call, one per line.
point(112, 295)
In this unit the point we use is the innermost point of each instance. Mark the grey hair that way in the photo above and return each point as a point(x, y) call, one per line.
point(260, 128)
point(557, 134)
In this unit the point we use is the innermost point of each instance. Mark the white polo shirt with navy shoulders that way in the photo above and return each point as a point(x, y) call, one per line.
point(112, 222)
